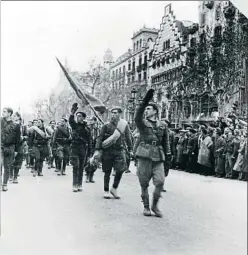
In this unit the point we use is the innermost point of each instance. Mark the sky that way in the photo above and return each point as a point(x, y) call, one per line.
point(34, 33)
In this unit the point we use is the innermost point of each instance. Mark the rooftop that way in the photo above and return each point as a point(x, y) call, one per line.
point(143, 30)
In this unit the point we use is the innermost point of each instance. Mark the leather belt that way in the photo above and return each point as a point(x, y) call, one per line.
point(153, 143)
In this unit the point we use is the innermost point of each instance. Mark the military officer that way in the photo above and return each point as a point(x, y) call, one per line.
point(151, 152)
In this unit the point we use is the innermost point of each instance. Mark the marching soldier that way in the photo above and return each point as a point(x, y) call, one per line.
point(61, 141)
point(52, 153)
point(31, 156)
point(111, 146)
point(91, 168)
point(17, 165)
point(39, 146)
point(151, 151)
point(80, 147)
point(10, 142)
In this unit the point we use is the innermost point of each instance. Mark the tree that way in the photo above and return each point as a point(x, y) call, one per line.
point(214, 63)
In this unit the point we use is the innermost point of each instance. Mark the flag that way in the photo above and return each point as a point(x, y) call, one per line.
point(87, 99)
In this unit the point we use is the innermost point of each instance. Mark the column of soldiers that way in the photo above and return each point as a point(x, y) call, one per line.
point(155, 147)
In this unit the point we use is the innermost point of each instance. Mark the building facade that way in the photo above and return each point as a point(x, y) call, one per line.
point(169, 62)
point(130, 71)
point(198, 70)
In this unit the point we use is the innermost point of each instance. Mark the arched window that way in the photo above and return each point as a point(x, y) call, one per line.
point(217, 31)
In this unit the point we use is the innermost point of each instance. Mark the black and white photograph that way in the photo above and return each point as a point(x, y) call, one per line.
point(124, 127)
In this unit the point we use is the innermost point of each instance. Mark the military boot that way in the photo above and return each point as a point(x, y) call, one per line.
point(155, 208)
point(147, 211)
point(91, 178)
point(87, 178)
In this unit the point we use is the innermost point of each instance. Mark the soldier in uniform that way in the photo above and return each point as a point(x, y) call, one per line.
point(81, 146)
point(17, 165)
point(30, 153)
point(91, 168)
point(114, 154)
point(151, 151)
point(61, 141)
point(10, 142)
point(169, 158)
point(52, 153)
point(39, 146)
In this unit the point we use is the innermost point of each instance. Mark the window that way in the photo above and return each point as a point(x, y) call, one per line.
point(120, 70)
point(133, 78)
point(113, 74)
point(133, 65)
point(202, 19)
point(129, 66)
point(217, 31)
point(145, 59)
point(137, 46)
point(140, 43)
point(144, 75)
point(128, 79)
point(140, 61)
point(167, 44)
point(139, 77)
point(124, 69)
point(192, 42)
point(134, 46)
point(164, 46)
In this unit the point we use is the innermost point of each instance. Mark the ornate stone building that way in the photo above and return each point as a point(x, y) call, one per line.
point(130, 70)
point(197, 70)
point(168, 64)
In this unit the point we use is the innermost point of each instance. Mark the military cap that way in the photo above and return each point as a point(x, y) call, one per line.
point(64, 118)
point(155, 106)
point(82, 113)
point(188, 126)
point(192, 130)
point(117, 108)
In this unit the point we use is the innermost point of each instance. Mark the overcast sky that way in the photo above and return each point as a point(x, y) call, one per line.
point(33, 33)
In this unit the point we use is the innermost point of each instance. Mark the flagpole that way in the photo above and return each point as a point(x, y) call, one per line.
point(78, 91)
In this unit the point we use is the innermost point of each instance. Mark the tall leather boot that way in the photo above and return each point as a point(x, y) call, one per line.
point(91, 175)
point(155, 208)
point(147, 211)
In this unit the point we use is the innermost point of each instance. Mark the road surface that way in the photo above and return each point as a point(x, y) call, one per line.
point(202, 216)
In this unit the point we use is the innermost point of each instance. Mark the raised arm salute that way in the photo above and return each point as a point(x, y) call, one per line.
point(151, 151)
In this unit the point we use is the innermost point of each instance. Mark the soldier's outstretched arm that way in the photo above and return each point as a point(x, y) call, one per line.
point(72, 121)
point(140, 111)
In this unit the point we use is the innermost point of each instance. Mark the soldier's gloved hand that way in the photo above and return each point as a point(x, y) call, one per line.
point(74, 108)
point(148, 97)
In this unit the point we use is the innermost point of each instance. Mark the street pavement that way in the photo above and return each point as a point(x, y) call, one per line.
point(202, 216)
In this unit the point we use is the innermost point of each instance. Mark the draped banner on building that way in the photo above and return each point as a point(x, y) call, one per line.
point(87, 99)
